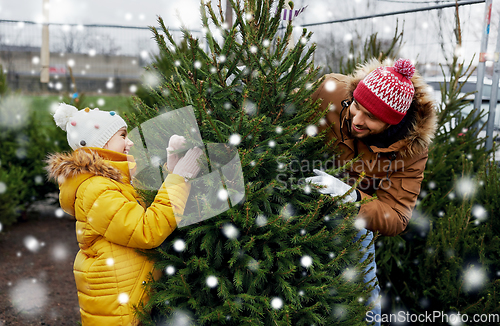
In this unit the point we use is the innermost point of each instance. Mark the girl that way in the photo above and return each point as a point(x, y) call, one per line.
point(111, 224)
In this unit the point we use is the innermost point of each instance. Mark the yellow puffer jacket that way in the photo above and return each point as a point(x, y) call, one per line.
point(111, 225)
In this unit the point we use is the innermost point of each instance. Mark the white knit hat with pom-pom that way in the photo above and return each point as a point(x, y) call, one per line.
point(87, 128)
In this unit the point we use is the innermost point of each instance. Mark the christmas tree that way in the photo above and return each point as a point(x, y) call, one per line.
point(447, 260)
point(284, 254)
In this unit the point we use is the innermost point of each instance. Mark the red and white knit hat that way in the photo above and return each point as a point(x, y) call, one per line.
point(387, 92)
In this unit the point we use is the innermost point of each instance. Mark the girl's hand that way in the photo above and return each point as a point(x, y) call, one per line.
point(175, 143)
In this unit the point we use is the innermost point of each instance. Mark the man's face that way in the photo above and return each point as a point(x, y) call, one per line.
point(363, 123)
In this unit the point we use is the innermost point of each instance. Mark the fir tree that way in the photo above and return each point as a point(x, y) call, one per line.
point(447, 260)
point(291, 259)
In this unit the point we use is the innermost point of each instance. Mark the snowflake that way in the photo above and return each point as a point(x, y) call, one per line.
point(330, 86)
point(360, 224)
point(306, 261)
point(60, 252)
point(230, 231)
point(249, 107)
point(179, 245)
point(474, 278)
point(132, 88)
point(311, 130)
point(235, 139)
point(110, 261)
point(277, 303)
point(222, 194)
point(3, 187)
point(479, 212)
point(253, 265)
point(170, 270)
point(465, 187)
point(29, 297)
point(31, 243)
point(123, 298)
point(261, 220)
point(212, 281)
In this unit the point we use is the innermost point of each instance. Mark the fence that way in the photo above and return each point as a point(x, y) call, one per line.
point(102, 58)
point(106, 58)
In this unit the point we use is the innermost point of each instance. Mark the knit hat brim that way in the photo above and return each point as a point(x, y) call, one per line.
point(376, 106)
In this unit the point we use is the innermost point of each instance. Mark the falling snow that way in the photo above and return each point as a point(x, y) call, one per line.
point(235, 139)
point(179, 245)
point(474, 278)
point(222, 194)
point(253, 265)
point(277, 303)
point(306, 261)
point(360, 224)
point(123, 298)
point(479, 212)
point(261, 220)
point(311, 130)
point(60, 252)
point(170, 270)
point(29, 296)
point(230, 231)
point(466, 187)
point(330, 86)
point(3, 187)
point(31, 243)
point(212, 281)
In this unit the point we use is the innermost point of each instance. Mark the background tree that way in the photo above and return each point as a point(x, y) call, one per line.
point(289, 259)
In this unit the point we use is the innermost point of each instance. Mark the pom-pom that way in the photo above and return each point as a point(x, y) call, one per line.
point(405, 68)
point(63, 114)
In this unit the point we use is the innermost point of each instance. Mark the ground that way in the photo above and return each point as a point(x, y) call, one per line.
point(37, 286)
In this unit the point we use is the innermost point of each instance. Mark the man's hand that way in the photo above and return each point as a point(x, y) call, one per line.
point(332, 186)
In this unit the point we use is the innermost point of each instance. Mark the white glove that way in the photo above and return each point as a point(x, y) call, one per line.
point(175, 143)
point(188, 166)
point(332, 186)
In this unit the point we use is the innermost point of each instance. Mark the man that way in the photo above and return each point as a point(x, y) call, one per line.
point(386, 115)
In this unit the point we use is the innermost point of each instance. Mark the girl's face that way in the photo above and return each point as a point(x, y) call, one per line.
point(119, 142)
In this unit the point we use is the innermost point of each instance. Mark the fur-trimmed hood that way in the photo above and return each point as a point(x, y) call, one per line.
point(423, 127)
point(70, 170)
point(62, 166)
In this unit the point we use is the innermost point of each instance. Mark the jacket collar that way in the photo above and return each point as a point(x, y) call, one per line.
point(72, 169)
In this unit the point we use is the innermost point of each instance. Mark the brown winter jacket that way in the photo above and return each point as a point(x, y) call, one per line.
point(393, 162)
